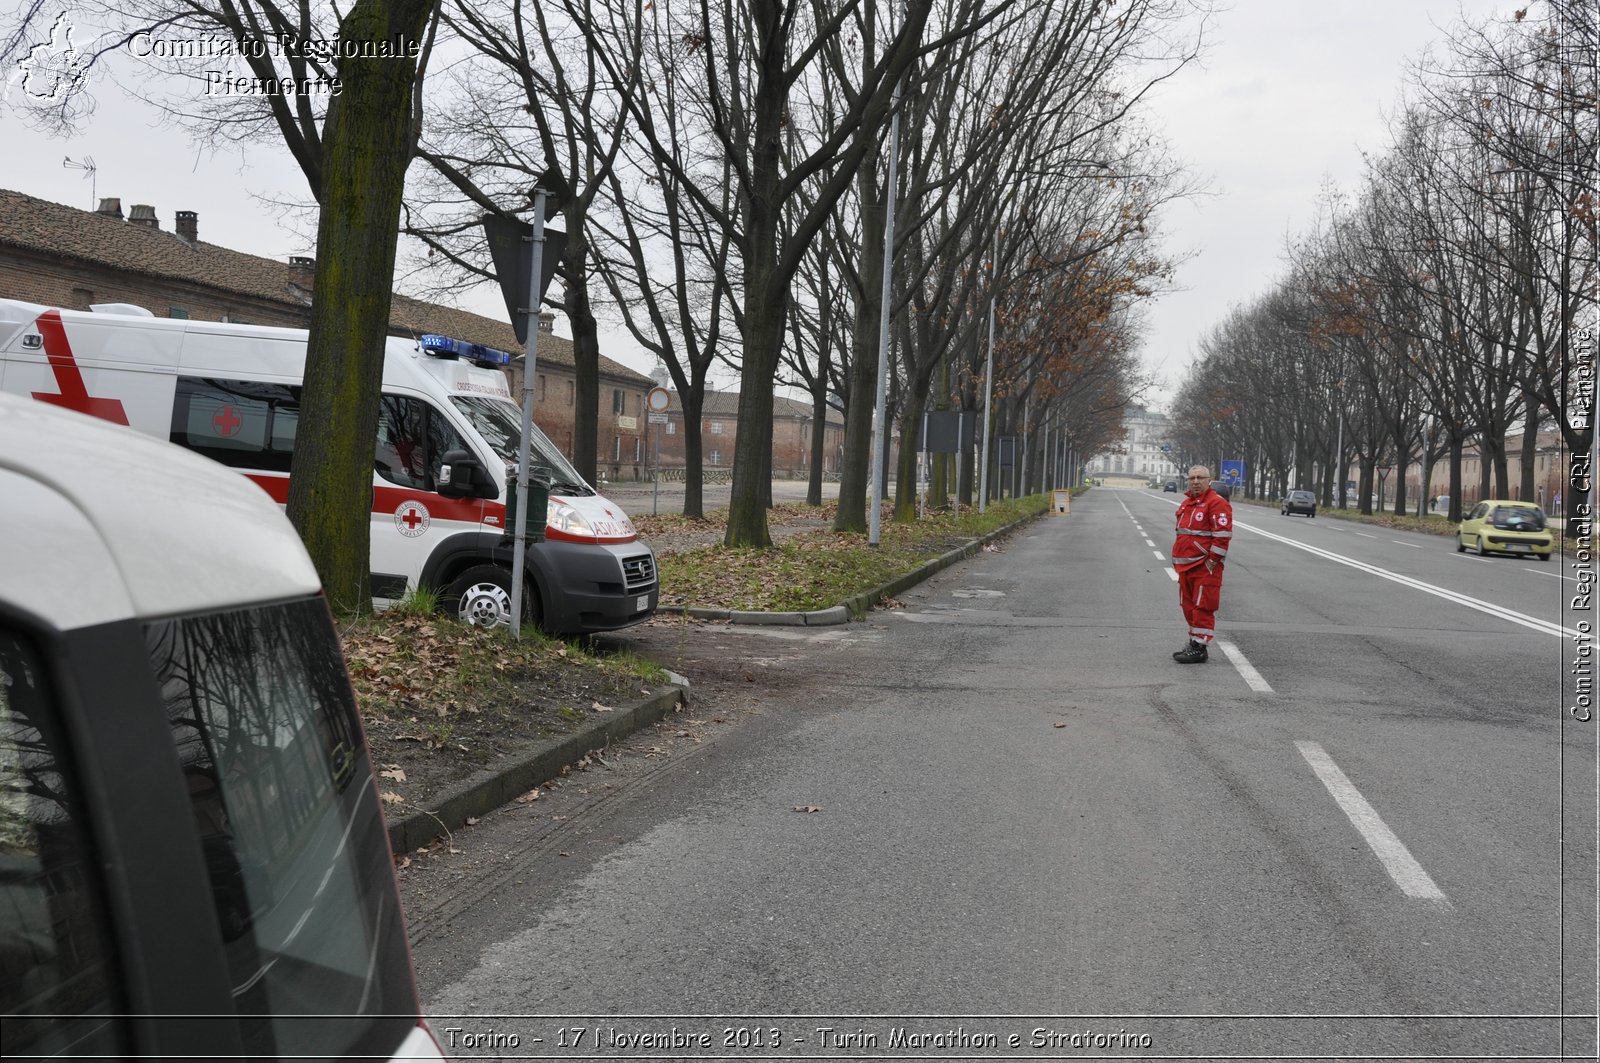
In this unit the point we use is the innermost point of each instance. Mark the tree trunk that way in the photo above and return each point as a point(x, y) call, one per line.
point(585, 358)
point(819, 439)
point(856, 471)
point(367, 144)
point(693, 454)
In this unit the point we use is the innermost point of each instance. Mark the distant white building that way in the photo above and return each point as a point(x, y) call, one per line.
point(1139, 453)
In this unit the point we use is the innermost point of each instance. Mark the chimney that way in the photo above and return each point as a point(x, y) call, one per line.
point(547, 322)
point(144, 214)
point(188, 224)
point(111, 208)
point(302, 270)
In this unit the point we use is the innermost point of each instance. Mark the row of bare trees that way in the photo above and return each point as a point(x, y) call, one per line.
point(723, 175)
point(1441, 306)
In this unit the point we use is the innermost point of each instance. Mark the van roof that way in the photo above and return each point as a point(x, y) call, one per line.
point(103, 523)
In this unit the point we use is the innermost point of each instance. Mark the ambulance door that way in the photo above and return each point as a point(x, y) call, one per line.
point(409, 516)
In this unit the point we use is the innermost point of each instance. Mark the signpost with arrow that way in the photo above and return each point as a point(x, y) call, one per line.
point(525, 259)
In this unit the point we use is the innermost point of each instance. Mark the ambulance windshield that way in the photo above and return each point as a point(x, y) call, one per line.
point(500, 424)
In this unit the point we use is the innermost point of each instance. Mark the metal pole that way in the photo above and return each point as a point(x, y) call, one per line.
point(988, 377)
point(519, 551)
point(655, 474)
point(880, 415)
point(1045, 459)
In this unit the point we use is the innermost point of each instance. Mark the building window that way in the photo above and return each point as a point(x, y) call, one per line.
point(616, 402)
point(570, 399)
point(672, 428)
point(716, 457)
point(716, 428)
point(541, 387)
point(177, 311)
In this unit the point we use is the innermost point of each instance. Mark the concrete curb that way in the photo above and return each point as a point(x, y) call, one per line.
point(858, 606)
point(497, 786)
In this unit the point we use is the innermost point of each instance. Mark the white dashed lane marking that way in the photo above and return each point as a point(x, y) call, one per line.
point(1390, 851)
point(1251, 677)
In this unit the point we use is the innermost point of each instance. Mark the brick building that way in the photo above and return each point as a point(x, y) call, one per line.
point(62, 256)
point(719, 431)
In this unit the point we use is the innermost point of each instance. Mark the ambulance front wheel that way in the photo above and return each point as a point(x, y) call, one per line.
point(481, 596)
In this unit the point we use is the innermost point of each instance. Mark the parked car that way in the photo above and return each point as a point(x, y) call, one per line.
point(193, 861)
point(1498, 525)
point(1172, 485)
point(1299, 502)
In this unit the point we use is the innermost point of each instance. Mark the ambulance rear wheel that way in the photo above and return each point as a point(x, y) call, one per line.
point(481, 596)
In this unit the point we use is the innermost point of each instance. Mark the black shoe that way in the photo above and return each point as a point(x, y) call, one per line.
point(1194, 653)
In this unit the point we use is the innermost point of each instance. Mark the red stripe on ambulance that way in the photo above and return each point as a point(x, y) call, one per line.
point(74, 393)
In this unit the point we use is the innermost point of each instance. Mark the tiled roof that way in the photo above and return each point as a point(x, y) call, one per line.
point(47, 228)
point(726, 404)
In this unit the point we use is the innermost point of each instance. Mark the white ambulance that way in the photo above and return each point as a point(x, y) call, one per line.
point(448, 435)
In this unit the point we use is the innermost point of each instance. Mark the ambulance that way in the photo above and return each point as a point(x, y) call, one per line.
point(446, 447)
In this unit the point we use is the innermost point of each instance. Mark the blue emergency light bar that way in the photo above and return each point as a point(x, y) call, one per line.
point(476, 353)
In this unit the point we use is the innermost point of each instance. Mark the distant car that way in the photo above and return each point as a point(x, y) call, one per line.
point(1501, 526)
point(1299, 502)
point(1172, 485)
point(1223, 488)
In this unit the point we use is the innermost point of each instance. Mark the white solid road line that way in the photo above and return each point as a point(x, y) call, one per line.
point(1246, 669)
point(1364, 535)
point(1542, 626)
point(1413, 546)
point(1390, 851)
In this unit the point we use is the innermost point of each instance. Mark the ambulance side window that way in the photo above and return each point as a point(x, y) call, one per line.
point(412, 441)
point(57, 983)
point(240, 423)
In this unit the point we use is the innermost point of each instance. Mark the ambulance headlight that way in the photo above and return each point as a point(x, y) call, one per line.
point(564, 518)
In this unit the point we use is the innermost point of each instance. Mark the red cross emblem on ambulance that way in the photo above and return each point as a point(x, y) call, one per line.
point(411, 518)
point(226, 421)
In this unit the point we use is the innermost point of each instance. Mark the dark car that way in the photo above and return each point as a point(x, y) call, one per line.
point(1172, 485)
point(1299, 502)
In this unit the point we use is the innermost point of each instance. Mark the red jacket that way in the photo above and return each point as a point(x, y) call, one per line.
point(1205, 528)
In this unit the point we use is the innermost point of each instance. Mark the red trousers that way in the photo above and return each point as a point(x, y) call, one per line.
point(1199, 592)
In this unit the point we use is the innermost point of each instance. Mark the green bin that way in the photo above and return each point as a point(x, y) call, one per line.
point(539, 492)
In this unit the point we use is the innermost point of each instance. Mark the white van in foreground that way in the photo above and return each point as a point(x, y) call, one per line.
point(232, 393)
point(193, 861)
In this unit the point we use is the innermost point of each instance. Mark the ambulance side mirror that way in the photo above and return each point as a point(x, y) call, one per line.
point(462, 476)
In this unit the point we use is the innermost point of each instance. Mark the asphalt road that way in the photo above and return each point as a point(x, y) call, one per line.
point(1365, 828)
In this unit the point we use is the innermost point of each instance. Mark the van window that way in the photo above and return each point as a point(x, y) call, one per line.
point(287, 817)
point(56, 991)
point(413, 439)
point(244, 424)
point(500, 424)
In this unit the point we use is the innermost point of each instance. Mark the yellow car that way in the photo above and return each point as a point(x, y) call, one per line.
point(1500, 526)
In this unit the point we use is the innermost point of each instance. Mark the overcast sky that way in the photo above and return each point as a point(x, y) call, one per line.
point(1289, 93)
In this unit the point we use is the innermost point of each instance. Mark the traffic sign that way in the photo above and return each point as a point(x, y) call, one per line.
point(656, 418)
point(659, 399)
point(1233, 472)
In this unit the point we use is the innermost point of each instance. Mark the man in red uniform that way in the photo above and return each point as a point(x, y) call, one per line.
point(1205, 528)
